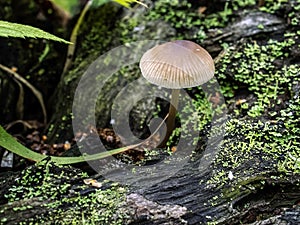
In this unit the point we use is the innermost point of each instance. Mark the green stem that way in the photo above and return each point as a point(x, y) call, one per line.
point(9, 143)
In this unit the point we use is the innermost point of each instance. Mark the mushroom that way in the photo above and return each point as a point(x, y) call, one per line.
point(175, 65)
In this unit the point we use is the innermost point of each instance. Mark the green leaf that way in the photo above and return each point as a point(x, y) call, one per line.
point(9, 143)
point(8, 29)
point(127, 3)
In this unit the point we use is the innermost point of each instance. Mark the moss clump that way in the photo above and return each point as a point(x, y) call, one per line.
point(253, 148)
point(293, 14)
point(271, 6)
point(177, 13)
point(59, 196)
point(189, 22)
point(195, 115)
point(262, 70)
point(262, 131)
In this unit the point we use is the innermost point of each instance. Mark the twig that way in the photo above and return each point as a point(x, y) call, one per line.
point(20, 102)
point(37, 93)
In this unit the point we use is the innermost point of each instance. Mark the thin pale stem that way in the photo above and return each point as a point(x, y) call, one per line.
point(171, 117)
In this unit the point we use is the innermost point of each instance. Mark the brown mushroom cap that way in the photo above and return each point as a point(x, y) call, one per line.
point(177, 64)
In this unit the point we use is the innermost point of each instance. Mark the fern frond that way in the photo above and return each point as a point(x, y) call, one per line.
point(8, 29)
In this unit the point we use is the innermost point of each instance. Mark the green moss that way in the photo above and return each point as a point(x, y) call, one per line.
point(269, 145)
point(60, 202)
point(253, 66)
point(272, 6)
point(238, 4)
point(96, 39)
point(293, 15)
point(188, 22)
point(255, 132)
point(177, 13)
point(261, 132)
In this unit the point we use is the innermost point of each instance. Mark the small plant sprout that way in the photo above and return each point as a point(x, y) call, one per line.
point(176, 65)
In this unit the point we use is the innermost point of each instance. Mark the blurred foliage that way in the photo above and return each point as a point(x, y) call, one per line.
point(71, 6)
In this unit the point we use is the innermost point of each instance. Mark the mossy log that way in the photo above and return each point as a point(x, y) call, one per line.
point(61, 195)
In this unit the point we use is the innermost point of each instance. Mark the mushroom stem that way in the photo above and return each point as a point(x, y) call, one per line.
point(171, 117)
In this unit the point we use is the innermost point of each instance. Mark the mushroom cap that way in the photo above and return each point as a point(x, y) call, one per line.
point(177, 64)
